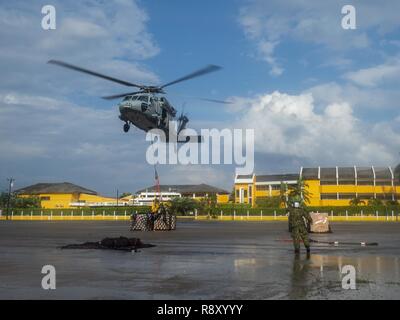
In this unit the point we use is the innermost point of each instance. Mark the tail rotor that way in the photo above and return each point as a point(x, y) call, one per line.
point(183, 119)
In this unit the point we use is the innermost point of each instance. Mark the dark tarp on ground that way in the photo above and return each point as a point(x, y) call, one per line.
point(121, 243)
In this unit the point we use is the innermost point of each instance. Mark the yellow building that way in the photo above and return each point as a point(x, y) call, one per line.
point(64, 195)
point(250, 188)
point(333, 186)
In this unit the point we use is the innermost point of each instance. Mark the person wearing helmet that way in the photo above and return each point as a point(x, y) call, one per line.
point(152, 215)
point(298, 220)
point(155, 206)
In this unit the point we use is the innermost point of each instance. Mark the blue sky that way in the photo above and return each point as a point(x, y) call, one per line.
point(314, 93)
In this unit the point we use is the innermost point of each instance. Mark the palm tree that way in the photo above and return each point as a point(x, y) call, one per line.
point(355, 202)
point(300, 191)
point(375, 202)
point(283, 194)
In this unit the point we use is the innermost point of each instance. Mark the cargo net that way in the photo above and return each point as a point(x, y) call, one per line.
point(153, 222)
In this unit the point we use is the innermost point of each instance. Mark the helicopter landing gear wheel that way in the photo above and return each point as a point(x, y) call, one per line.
point(126, 127)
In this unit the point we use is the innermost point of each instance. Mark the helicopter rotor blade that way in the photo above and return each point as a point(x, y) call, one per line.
point(215, 101)
point(198, 73)
point(121, 95)
point(93, 73)
point(203, 99)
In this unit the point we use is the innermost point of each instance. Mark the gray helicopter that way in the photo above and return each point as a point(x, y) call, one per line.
point(146, 108)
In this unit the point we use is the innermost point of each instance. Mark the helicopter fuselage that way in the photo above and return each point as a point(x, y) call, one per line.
point(146, 111)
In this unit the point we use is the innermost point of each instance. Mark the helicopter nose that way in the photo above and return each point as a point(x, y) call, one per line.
point(127, 107)
point(122, 107)
point(136, 106)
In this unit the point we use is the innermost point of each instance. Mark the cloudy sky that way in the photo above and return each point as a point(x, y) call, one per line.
point(314, 93)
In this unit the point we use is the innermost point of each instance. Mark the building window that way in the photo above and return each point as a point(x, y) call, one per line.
point(250, 194)
point(347, 182)
point(365, 196)
point(347, 196)
point(383, 196)
point(328, 182)
point(384, 183)
point(262, 188)
point(44, 198)
point(237, 193)
point(328, 196)
point(241, 195)
point(365, 182)
point(276, 187)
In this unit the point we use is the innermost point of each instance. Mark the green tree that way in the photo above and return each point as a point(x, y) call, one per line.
point(27, 202)
point(232, 195)
point(3, 199)
point(355, 202)
point(182, 205)
point(125, 194)
point(19, 202)
point(392, 203)
point(268, 202)
point(283, 194)
point(211, 205)
point(299, 191)
point(375, 202)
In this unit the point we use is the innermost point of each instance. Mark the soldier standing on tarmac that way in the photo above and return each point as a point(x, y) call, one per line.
point(298, 220)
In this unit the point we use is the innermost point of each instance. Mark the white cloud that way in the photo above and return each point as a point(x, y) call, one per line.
point(315, 22)
point(266, 50)
point(290, 125)
point(112, 29)
point(376, 75)
point(110, 37)
point(360, 98)
point(73, 27)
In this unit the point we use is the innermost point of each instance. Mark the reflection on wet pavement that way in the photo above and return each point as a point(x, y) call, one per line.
point(201, 260)
point(374, 268)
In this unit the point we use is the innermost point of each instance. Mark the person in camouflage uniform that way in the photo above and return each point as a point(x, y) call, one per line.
point(298, 220)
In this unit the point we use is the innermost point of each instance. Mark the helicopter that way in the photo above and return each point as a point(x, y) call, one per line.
point(146, 108)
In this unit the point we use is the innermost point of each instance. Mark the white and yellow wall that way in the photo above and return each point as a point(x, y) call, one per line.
point(70, 200)
point(248, 189)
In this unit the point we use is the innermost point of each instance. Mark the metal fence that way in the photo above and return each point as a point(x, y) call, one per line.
point(389, 213)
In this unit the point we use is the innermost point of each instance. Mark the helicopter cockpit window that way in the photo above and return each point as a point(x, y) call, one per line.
point(127, 98)
point(165, 102)
point(143, 98)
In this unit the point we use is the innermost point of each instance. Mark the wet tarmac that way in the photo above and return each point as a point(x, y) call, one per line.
point(200, 260)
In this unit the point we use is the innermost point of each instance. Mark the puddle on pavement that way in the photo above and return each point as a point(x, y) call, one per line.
point(368, 268)
point(321, 276)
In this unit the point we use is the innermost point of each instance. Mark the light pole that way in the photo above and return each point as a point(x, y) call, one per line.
point(10, 185)
point(117, 198)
